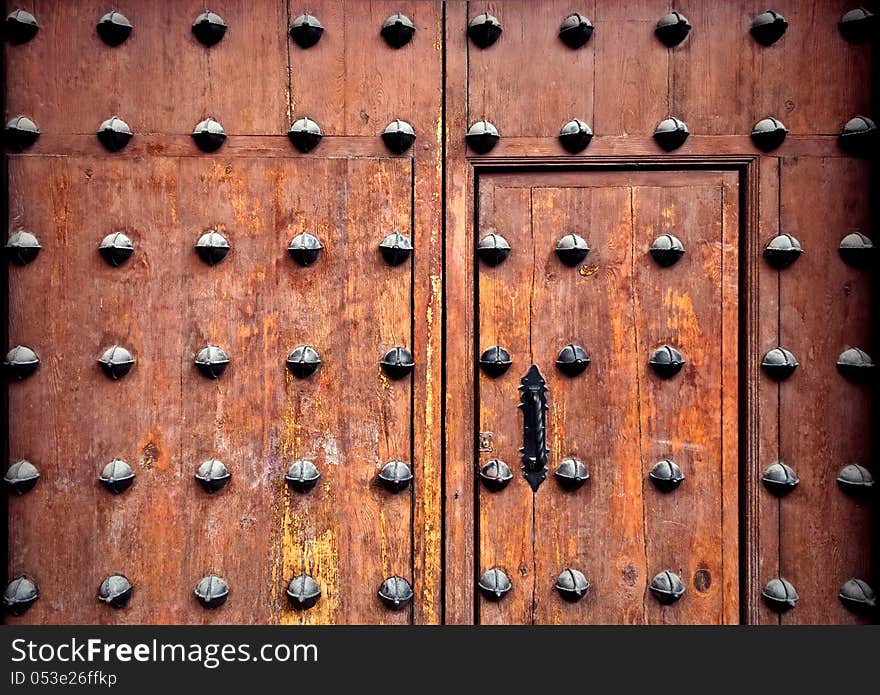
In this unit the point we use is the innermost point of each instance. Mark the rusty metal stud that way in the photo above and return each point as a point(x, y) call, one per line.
point(571, 474)
point(780, 479)
point(306, 30)
point(397, 363)
point(856, 250)
point(115, 591)
point(20, 27)
point(209, 28)
point(305, 249)
point(493, 249)
point(212, 247)
point(114, 28)
point(496, 475)
point(858, 596)
point(779, 364)
point(396, 248)
point(780, 595)
point(305, 134)
point(303, 361)
point(575, 30)
point(572, 360)
point(782, 251)
point(116, 249)
point(858, 25)
point(396, 593)
point(666, 475)
point(667, 587)
point(572, 585)
point(20, 595)
point(303, 592)
point(572, 249)
point(116, 362)
point(859, 136)
point(855, 480)
point(482, 136)
point(856, 365)
point(20, 363)
point(20, 133)
point(212, 591)
point(398, 30)
point(398, 136)
point(575, 136)
point(213, 475)
point(395, 476)
point(666, 250)
point(302, 475)
point(768, 27)
point(484, 30)
point(768, 133)
point(21, 477)
point(672, 29)
point(212, 361)
point(22, 247)
point(666, 361)
point(495, 361)
point(209, 135)
point(117, 476)
point(114, 134)
point(494, 584)
point(671, 133)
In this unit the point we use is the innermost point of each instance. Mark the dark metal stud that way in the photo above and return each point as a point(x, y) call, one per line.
point(116, 362)
point(396, 593)
point(114, 28)
point(780, 595)
point(114, 134)
point(858, 25)
point(398, 136)
point(305, 249)
point(209, 28)
point(397, 363)
point(116, 249)
point(495, 361)
point(571, 474)
point(22, 247)
point(20, 133)
point(303, 592)
point(212, 247)
point(20, 362)
point(303, 361)
point(572, 249)
point(209, 135)
point(768, 133)
point(780, 479)
point(21, 477)
point(115, 591)
point(666, 361)
point(20, 27)
point(671, 133)
point(667, 587)
point(856, 365)
point(398, 30)
point(213, 475)
point(484, 30)
point(855, 480)
point(493, 249)
point(572, 585)
point(212, 591)
point(305, 134)
point(672, 29)
point(768, 27)
point(666, 475)
point(396, 248)
point(858, 596)
point(20, 595)
point(302, 475)
point(117, 476)
point(496, 475)
point(575, 31)
point(782, 251)
point(856, 250)
point(572, 360)
point(666, 250)
point(212, 361)
point(482, 136)
point(395, 476)
point(494, 584)
point(306, 30)
point(779, 364)
point(859, 136)
point(575, 136)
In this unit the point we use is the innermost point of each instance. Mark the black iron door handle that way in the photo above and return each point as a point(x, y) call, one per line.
point(533, 403)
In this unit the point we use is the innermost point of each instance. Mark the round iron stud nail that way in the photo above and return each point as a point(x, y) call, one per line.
point(482, 137)
point(855, 480)
point(116, 361)
point(212, 361)
point(396, 593)
point(782, 251)
point(117, 476)
point(20, 27)
point(494, 584)
point(19, 595)
point(667, 587)
point(572, 249)
point(572, 360)
point(305, 249)
point(115, 591)
point(671, 133)
point(20, 363)
point(666, 250)
point(780, 479)
point(306, 30)
point(858, 25)
point(495, 361)
point(209, 28)
point(116, 249)
point(666, 475)
point(212, 247)
point(855, 365)
point(397, 363)
point(484, 30)
point(21, 477)
point(398, 30)
point(859, 136)
point(305, 134)
point(780, 595)
point(209, 135)
point(571, 474)
point(212, 591)
point(493, 249)
point(114, 134)
point(575, 30)
point(858, 596)
point(575, 136)
point(398, 136)
point(672, 29)
point(303, 592)
point(395, 476)
point(20, 133)
point(666, 361)
point(768, 134)
point(856, 250)
point(396, 248)
point(213, 475)
point(572, 585)
point(114, 28)
point(303, 361)
point(496, 475)
point(768, 27)
point(779, 364)
point(22, 247)
point(302, 475)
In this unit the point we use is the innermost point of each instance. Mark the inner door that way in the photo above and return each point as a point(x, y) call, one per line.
point(630, 419)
